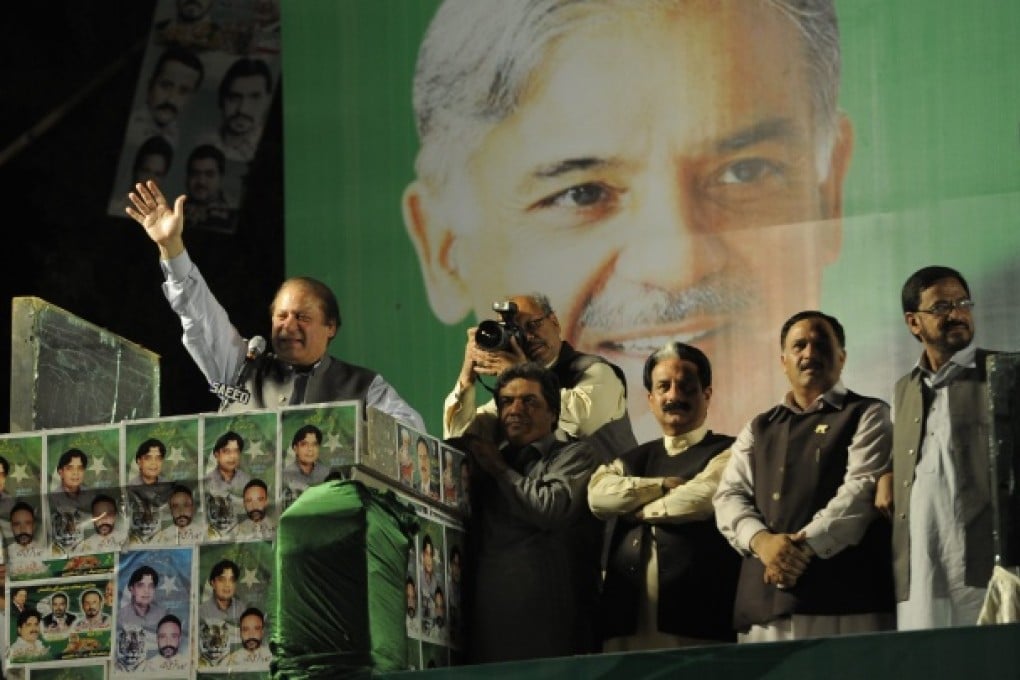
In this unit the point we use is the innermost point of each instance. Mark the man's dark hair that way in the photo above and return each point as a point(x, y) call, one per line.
point(207, 151)
point(685, 352)
point(221, 567)
point(144, 447)
point(454, 552)
point(21, 506)
point(303, 432)
point(5, 465)
point(102, 498)
point(546, 379)
point(255, 482)
point(320, 291)
point(93, 591)
point(251, 611)
point(60, 594)
point(833, 322)
point(226, 438)
point(26, 614)
point(153, 146)
point(421, 440)
point(180, 55)
point(138, 574)
point(242, 68)
point(427, 541)
point(923, 278)
point(170, 618)
point(181, 488)
point(67, 456)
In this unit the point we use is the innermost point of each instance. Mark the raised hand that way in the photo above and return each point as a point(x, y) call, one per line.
point(163, 224)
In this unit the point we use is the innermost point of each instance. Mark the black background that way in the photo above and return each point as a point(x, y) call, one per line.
point(78, 61)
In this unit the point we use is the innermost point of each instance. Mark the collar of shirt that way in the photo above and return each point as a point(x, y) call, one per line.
point(542, 445)
point(675, 445)
point(965, 358)
point(309, 370)
point(835, 397)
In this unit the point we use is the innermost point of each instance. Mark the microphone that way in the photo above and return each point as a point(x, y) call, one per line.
point(235, 391)
point(256, 346)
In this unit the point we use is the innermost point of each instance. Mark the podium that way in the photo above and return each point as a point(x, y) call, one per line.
point(66, 371)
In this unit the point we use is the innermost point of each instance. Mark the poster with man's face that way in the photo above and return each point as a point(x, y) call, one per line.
point(662, 171)
point(83, 504)
point(21, 505)
point(160, 455)
point(317, 441)
point(153, 617)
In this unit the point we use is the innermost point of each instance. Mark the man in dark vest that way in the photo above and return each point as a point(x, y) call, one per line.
point(670, 576)
point(938, 496)
point(797, 499)
point(305, 318)
point(593, 392)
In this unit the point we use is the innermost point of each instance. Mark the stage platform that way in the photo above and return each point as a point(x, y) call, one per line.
point(971, 653)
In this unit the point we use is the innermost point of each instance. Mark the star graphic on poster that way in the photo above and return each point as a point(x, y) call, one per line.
point(176, 455)
point(333, 441)
point(250, 577)
point(20, 472)
point(255, 449)
point(98, 465)
point(168, 584)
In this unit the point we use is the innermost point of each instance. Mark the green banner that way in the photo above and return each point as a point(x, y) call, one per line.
point(661, 170)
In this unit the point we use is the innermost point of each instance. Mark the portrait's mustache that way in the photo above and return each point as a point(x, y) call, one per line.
point(949, 325)
point(256, 515)
point(671, 406)
point(632, 305)
point(167, 650)
point(242, 117)
point(810, 364)
point(167, 106)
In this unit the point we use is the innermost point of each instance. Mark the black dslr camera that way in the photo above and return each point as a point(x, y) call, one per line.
point(494, 336)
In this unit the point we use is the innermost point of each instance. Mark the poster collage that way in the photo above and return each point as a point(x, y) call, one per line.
point(207, 81)
point(145, 549)
point(435, 480)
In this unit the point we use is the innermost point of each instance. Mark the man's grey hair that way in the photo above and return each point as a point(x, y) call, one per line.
point(478, 56)
point(540, 300)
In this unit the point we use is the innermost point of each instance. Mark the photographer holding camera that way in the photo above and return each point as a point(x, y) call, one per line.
point(593, 391)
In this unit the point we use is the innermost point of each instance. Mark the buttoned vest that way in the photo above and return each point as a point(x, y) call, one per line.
point(970, 416)
point(799, 461)
point(697, 567)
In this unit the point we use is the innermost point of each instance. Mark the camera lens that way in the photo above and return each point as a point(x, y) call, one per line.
point(490, 335)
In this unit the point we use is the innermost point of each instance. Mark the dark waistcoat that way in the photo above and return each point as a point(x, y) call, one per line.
point(799, 461)
point(697, 567)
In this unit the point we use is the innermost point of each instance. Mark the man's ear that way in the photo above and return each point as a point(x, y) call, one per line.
point(913, 324)
point(434, 242)
point(831, 189)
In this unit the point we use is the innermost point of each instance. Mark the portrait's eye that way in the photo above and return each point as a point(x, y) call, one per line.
point(748, 171)
point(587, 195)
